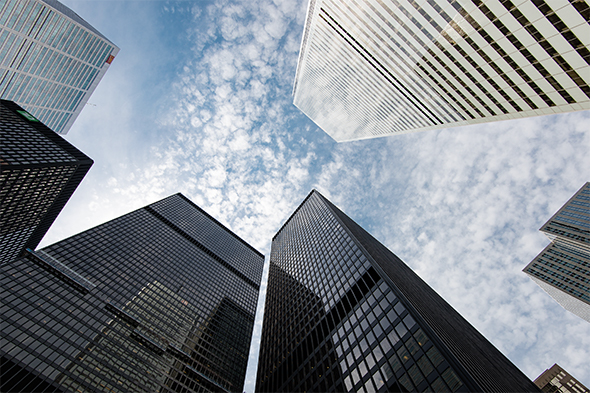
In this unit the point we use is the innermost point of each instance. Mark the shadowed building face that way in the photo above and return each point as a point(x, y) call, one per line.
point(343, 313)
point(160, 299)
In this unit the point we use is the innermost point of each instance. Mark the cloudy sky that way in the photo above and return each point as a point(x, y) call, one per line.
point(199, 101)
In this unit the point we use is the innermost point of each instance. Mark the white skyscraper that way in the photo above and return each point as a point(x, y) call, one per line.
point(51, 60)
point(370, 68)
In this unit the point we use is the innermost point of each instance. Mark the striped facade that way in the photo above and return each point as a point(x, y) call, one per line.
point(562, 269)
point(51, 60)
point(370, 68)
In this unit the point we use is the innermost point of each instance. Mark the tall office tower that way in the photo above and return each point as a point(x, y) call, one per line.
point(159, 300)
point(343, 313)
point(39, 172)
point(557, 380)
point(562, 269)
point(370, 68)
point(51, 60)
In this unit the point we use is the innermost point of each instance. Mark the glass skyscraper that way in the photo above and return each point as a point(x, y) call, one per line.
point(39, 172)
point(370, 68)
point(51, 60)
point(562, 269)
point(159, 300)
point(343, 313)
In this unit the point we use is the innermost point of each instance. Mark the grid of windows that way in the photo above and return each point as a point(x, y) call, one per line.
point(334, 320)
point(565, 263)
point(51, 60)
point(557, 380)
point(163, 315)
point(39, 172)
point(370, 68)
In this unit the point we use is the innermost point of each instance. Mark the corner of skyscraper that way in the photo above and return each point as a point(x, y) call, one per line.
point(161, 299)
point(562, 269)
point(343, 313)
point(51, 60)
point(371, 68)
point(39, 172)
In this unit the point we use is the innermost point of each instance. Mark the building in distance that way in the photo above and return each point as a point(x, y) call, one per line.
point(39, 172)
point(343, 313)
point(562, 269)
point(161, 299)
point(557, 380)
point(51, 60)
point(369, 68)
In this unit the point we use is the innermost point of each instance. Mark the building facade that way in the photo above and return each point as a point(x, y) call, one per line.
point(51, 60)
point(557, 380)
point(159, 300)
point(562, 269)
point(343, 313)
point(39, 172)
point(370, 68)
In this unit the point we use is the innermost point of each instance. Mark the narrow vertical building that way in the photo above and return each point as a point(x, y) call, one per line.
point(371, 68)
point(39, 172)
point(51, 60)
point(343, 313)
point(159, 300)
point(562, 269)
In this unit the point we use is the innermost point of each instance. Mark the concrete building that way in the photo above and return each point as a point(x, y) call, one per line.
point(557, 380)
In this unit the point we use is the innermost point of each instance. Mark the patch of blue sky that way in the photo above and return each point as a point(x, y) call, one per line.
point(199, 101)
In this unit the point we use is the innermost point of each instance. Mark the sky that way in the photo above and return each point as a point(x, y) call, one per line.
point(198, 101)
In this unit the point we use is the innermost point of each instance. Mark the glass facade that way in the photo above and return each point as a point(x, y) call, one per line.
point(159, 300)
point(562, 269)
point(39, 172)
point(370, 68)
point(51, 60)
point(343, 313)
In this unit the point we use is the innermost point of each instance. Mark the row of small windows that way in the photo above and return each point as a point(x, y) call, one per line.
point(53, 312)
point(212, 234)
point(559, 284)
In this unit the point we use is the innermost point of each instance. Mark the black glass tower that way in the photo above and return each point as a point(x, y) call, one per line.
point(343, 313)
point(39, 172)
point(159, 300)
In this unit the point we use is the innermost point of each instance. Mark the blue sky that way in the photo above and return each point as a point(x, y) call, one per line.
point(199, 101)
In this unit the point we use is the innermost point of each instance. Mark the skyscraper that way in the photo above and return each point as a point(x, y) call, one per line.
point(562, 269)
point(370, 68)
point(159, 300)
point(39, 172)
point(51, 60)
point(557, 380)
point(343, 313)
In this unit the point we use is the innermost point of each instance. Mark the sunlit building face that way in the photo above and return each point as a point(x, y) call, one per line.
point(370, 68)
point(51, 60)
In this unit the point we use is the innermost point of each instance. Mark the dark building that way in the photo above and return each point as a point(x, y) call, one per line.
point(159, 300)
point(562, 269)
point(343, 313)
point(39, 172)
point(557, 380)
